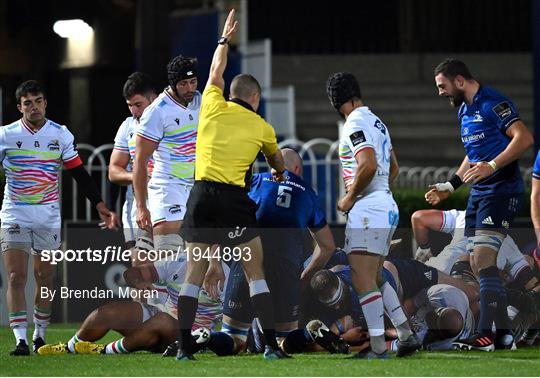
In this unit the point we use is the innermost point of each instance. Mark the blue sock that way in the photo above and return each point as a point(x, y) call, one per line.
point(492, 302)
point(221, 344)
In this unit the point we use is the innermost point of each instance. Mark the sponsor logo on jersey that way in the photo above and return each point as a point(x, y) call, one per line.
point(54, 145)
point(477, 117)
point(237, 232)
point(502, 110)
point(175, 277)
point(380, 126)
point(428, 275)
point(505, 224)
point(488, 221)
point(19, 144)
point(357, 138)
point(175, 209)
point(472, 138)
point(55, 237)
point(190, 117)
point(14, 229)
point(36, 144)
point(177, 120)
point(235, 305)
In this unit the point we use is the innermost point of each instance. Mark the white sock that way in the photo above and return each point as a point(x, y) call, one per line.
point(116, 347)
point(39, 332)
point(373, 309)
point(20, 334)
point(395, 311)
point(71, 343)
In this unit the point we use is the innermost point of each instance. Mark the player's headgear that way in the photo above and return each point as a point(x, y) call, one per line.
point(341, 87)
point(181, 68)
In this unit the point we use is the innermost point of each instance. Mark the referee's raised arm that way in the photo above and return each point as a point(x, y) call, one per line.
point(219, 61)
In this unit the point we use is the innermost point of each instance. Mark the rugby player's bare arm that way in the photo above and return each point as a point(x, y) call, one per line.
point(394, 167)
point(322, 253)
point(521, 141)
point(435, 196)
point(214, 279)
point(141, 277)
point(276, 162)
point(117, 168)
point(367, 167)
point(144, 149)
point(219, 60)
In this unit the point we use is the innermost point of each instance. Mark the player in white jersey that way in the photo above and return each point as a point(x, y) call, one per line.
point(444, 316)
point(369, 165)
point(127, 317)
point(139, 92)
point(168, 130)
point(33, 151)
point(509, 259)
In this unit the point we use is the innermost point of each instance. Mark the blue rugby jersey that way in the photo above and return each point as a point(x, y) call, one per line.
point(483, 132)
point(289, 207)
point(536, 167)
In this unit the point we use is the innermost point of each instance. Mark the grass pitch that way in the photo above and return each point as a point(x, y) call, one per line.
point(523, 362)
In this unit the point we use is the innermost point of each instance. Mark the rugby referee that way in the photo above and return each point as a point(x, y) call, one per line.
point(219, 211)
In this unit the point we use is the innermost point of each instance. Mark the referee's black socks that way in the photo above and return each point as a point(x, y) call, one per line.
point(261, 300)
point(188, 301)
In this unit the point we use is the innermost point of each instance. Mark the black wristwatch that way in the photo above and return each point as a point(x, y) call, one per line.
point(223, 41)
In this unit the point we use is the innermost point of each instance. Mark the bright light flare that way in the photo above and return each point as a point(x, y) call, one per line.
point(75, 29)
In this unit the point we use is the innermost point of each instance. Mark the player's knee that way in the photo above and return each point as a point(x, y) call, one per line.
point(417, 219)
point(17, 280)
point(44, 278)
point(103, 314)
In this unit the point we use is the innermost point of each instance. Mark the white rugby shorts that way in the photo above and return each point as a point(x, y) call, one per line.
point(31, 228)
point(371, 224)
point(167, 202)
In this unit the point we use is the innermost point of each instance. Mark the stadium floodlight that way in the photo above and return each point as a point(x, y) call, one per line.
point(75, 29)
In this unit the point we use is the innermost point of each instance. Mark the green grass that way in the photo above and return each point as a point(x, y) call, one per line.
point(523, 362)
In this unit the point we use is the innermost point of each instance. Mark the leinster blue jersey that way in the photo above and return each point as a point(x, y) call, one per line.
point(284, 211)
point(483, 132)
point(536, 168)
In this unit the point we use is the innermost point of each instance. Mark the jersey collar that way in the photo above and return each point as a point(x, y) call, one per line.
point(242, 103)
point(30, 130)
point(174, 101)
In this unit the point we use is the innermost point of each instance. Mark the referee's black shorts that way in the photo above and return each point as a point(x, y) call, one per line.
point(219, 213)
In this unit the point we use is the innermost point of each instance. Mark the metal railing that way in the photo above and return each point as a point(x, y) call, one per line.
point(321, 171)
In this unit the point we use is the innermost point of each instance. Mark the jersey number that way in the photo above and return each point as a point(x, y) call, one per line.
point(284, 196)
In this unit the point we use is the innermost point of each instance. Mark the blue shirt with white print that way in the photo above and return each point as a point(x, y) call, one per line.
point(285, 210)
point(536, 168)
point(483, 132)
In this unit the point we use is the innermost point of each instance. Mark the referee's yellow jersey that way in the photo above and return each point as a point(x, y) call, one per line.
point(229, 137)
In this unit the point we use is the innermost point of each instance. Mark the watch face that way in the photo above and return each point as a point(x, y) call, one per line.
point(222, 41)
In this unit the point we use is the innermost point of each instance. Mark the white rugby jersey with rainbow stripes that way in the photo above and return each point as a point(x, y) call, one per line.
point(363, 129)
point(174, 127)
point(124, 141)
point(171, 274)
point(32, 161)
